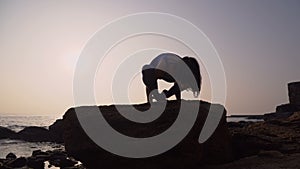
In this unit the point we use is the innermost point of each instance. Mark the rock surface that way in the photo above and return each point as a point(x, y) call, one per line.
point(294, 93)
point(34, 134)
point(187, 154)
point(56, 131)
point(280, 134)
point(6, 133)
point(290, 161)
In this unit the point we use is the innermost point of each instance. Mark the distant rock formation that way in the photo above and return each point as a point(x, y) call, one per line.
point(282, 134)
point(189, 153)
point(286, 110)
point(36, 134)
point(280, 131)
point(294, 93)
point(6, 133)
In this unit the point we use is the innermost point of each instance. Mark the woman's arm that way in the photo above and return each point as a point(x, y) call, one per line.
point(174, 90)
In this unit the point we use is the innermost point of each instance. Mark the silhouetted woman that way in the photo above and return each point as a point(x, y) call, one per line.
point(172, 64)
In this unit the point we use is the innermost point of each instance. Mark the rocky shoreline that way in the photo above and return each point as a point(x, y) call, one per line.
point(274, 143)
point(40, 160)
point(271, 143)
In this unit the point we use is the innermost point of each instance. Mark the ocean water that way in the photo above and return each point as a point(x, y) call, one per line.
point(17, 123)
point(237, 119)
point(22, 148)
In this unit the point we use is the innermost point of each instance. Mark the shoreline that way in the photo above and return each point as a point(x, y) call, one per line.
point(280, 142)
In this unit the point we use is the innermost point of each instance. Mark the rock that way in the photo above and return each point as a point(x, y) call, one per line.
point(63, 162)
point(34, 134)
point(287, 108)
point(38, 153)
point(6, 167)
point(189, 153)
point(56, 131)
point(35, 163)
point(294, 117)
point(76, 167)
point(270, 154)
point(11, 156)
point(6, 133)
point(294, 93)
point(290, 161)
point(17, 163)
point(239, 124)
point(58, 155)
point(247, 145)
point(277, 115)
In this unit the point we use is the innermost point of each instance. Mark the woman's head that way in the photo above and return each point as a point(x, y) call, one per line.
point(194, 67)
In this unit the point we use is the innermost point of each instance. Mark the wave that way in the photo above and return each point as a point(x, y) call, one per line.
point(18, 123)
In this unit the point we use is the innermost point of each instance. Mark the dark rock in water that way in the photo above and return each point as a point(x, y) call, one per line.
point(294, 93)
point(6, 133)
point(189, 153)
point(11, 156)
point(35, 163)
point(56, 131)
point(57, 157)
point(17, 163)
point(63, 162)
point(76, 167)
point(39, 153)
point(58, 154)
point(34, 134)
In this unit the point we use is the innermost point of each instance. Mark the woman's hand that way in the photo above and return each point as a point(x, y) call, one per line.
point(160, 96)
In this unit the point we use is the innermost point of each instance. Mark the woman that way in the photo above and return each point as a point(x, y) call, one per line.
point(172, 65)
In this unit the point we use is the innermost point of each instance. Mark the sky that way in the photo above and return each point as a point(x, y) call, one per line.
point(257, 41)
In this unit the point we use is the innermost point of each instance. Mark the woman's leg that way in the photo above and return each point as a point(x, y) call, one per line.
point(148, 91)
point(150, 80)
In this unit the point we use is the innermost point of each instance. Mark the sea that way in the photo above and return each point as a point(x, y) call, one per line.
point(23, 148)
point(237, 119)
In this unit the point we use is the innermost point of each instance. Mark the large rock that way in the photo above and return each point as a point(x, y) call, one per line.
point(34, 134)
point(56, 131)
point(189, 153)
point(294, 93)
point(17, 163)
point(6, 133)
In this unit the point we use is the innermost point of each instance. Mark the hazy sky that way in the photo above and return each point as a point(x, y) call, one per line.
point(40, 41)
